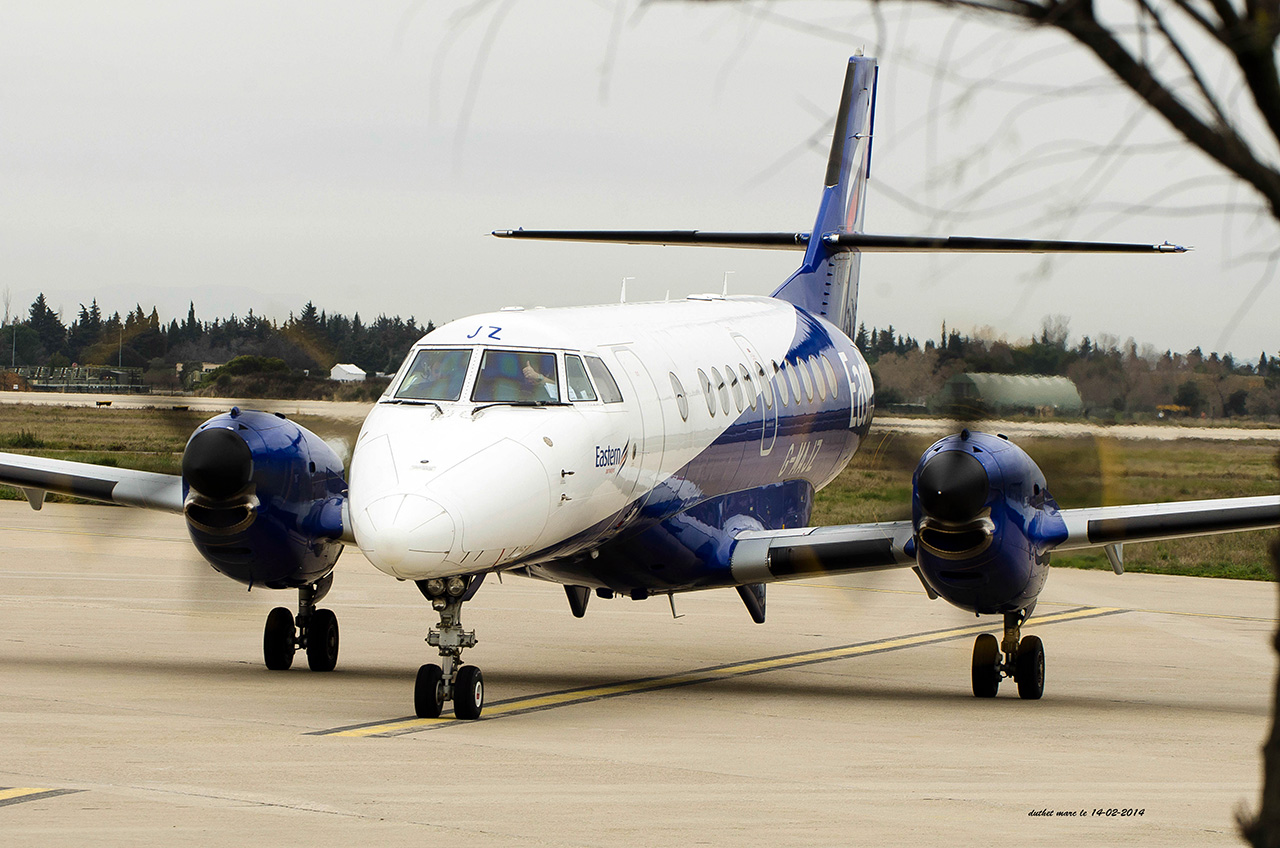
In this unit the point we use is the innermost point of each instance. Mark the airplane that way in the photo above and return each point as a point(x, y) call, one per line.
point(637, 449)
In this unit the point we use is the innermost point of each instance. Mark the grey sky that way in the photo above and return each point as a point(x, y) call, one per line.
point(257, 155)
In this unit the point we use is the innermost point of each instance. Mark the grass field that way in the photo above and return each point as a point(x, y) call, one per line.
point(875, 487)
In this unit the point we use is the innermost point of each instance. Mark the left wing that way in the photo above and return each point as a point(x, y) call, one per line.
point(36, 475)
point(766, 556)
point(1110, 526)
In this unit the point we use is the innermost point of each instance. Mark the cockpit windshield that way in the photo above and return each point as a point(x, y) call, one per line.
point(509, 375)
point(435, 375)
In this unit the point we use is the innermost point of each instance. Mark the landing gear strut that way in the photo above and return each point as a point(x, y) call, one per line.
point(451, 680)
point(314, 630)
point(1017, 657)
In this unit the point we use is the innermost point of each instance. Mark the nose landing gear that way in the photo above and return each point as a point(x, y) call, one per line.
point(451, 680)
point(314, 630)
point(1019, 658)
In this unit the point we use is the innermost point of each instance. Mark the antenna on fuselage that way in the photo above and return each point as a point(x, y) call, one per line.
point(724, 290)
point(623, 299)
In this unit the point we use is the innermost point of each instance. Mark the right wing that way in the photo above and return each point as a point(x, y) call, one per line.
point(36, 475)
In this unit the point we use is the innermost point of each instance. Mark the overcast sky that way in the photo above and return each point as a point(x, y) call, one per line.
point(259, 155)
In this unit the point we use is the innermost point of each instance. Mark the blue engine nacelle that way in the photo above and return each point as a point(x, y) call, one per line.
point(984, 523)
point(263, 499)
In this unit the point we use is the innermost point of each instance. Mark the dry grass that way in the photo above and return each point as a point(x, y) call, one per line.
point(875, 487)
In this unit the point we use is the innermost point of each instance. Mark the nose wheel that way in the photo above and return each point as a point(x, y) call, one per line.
point(451, 680)
point(313, 630)
point(1018, 657)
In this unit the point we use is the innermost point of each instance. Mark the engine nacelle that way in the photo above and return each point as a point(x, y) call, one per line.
point(984, 523)
point(263, 499)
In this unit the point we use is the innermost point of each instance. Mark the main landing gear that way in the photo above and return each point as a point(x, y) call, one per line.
point(451, 680)
point(315, 631)
point(1018, 657)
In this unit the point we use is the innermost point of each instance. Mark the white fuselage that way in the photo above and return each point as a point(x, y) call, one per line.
point(500, 443)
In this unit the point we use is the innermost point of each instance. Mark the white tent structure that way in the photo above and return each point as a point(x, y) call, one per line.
point(347, 374)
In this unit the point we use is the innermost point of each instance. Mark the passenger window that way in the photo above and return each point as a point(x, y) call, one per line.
point(509, 375)
point(735, 387)
point(435, 375)
point(748, 385)
point(831, 376)
point(789, 368)
point(575, 375)
point(819, 379)
point(706, 392)
point(682, 403)
point(779, 372)
point(806, 379)
point(766, 388)
point(721, 389)
point(604, 380)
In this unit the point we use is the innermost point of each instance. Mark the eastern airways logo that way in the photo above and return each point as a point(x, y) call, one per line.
point(610, 458)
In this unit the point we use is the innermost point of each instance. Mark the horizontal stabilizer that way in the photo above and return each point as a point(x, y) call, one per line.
point(863, 242)
point(772, 241)
point(867, 243)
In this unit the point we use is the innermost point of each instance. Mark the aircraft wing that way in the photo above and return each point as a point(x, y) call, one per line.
point(766, 556)
point(36, 475)
point(1111, 526)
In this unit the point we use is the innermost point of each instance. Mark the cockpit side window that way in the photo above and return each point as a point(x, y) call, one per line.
point(576, 377)
point(435, 375)
point(511, 375)
point(604, 380)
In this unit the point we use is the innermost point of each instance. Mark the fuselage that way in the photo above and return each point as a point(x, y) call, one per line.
point(619, 447)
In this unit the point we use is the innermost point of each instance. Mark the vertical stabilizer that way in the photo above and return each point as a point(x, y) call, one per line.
point(827, 283)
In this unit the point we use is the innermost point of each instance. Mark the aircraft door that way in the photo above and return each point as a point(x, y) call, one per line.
point(767, 408)
point(651, 438)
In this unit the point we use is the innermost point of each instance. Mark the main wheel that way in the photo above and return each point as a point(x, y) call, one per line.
point(1029, 671)
point(428, 692)
point(277, 639)
point(986, 666)
point(322, 640)
point(468, 693)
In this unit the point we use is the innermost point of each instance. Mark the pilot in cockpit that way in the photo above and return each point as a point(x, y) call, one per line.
point(541, 386)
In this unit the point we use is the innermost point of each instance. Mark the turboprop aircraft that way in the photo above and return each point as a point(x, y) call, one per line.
point(636, 449)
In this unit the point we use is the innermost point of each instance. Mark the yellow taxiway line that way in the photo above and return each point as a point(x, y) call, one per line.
point(569, 697)
point(20, 794)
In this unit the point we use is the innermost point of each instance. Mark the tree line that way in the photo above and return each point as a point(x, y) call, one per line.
point(312, 339)
point(1114, 378)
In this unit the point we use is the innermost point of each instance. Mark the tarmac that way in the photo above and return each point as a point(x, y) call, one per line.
point(136, 710)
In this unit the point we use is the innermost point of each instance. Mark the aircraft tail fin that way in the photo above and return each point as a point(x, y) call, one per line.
point(826, 283)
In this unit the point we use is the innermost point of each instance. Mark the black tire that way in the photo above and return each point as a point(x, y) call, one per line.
point(468, 693)
point(277, 639)
point(1029, 670)
point(428, 692)
point(986, 671)
point(322, 640)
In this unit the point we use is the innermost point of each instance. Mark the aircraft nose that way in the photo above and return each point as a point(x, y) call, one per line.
point(405, 535)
